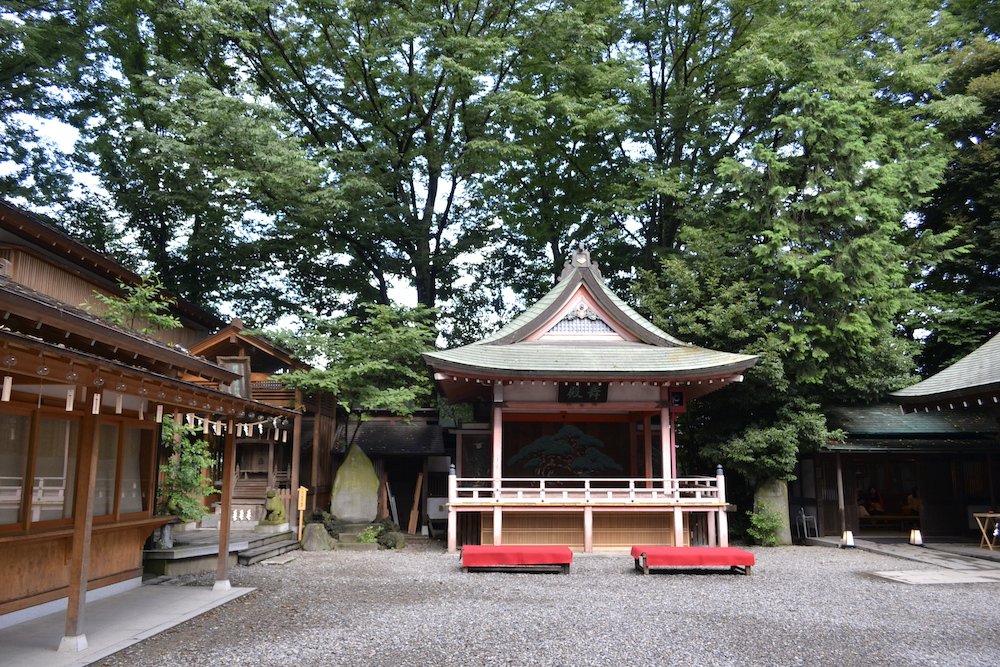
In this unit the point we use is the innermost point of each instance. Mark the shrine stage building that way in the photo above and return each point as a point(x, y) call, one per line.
point(582, 394)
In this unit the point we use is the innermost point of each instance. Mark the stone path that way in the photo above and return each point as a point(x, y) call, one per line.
point(950, 568)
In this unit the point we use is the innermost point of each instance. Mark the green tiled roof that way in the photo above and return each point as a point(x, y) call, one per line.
point(887, 419)
point(657, 355)
point(975, 374)
point(595, 360)
point(884, 428)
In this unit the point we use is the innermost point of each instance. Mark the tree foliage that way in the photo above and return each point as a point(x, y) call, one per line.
point(813, 267)
point(143, 308)
point(42, 51)
point(773, 168)
point(964, 284)
point(370, 362)
point(183, 484)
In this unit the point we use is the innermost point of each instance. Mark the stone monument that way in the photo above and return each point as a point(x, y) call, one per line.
point(355, 490)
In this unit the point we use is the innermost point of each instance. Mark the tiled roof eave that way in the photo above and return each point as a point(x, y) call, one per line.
point(497, 372)
point(909, 397)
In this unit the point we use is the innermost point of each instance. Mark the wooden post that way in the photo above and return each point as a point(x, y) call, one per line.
point(666, 454)
point(228, 473)
point(678, 527)
point(74, 638)
point(720, 480)
point(415, 510)
point(497, 462)
point(301, 506)
point(497, 525)
point(293, 481)
point(497, 438)
point(382, 509)
point(588, 528)
point(647, 449)
point(314, 464)
point(841, 504)
point(452, 514)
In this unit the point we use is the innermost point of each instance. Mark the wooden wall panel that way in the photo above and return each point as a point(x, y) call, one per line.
point(537, 528)
point(625, 530)
point(48, 278)
point(32, 568)
point(36, 568)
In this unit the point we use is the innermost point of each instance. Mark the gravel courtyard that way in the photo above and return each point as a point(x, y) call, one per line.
point(801, 606)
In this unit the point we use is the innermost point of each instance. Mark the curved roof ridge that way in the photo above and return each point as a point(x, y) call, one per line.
point(580, 269)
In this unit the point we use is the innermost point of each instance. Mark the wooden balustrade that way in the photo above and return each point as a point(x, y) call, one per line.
point(591, 491)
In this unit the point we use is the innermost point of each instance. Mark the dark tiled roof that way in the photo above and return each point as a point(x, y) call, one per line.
point(976, 374)
point(888, 420)
point(394, 438)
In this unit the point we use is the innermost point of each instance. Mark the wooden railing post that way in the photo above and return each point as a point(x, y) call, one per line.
point(720, 481)
point(452, 513)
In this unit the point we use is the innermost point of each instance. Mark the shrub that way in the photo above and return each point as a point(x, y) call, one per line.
point(183, 483)
point(764, 526)
point(371, 534)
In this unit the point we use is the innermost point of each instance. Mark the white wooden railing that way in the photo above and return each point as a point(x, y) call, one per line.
point(593, 491)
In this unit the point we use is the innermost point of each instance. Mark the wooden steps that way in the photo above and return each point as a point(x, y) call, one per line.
point(198, 551)
point(277, 544)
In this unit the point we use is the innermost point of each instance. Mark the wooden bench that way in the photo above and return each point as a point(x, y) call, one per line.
point(516, 558)
point(647, 557)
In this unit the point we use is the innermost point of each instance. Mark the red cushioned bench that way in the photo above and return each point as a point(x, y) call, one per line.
point(516, 558)
point(647, 557)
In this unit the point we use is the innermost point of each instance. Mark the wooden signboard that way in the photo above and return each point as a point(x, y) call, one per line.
point(583, 392)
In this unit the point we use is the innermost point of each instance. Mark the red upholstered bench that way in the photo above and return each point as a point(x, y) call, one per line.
point(517, 558)
point(647, 557)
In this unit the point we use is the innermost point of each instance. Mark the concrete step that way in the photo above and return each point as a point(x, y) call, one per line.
point(265, 551)
point(260, 539)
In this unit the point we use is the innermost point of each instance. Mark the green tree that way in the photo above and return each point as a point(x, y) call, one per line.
point(183, 484)
point(371, 361)
point(187, 167)
point(809, 260)
point(963, 286)
point(392, 102)
point(41, 56)
point(143, 308)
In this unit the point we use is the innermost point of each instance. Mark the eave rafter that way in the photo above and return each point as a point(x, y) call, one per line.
point(41, 364)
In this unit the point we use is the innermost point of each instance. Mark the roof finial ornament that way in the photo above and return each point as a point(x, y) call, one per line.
point(580, 259)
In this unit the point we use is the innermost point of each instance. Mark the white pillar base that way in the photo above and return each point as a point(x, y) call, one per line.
point(73, 644)
point(222, 585)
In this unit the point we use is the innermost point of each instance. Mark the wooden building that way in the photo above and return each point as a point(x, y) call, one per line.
point(81, 401)
point(579, 396)
point(410, 460)
point(274, 454)
point(970, 385)
point(930, 470)
point(936, 443)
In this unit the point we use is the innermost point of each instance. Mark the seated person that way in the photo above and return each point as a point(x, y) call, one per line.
point(873, 502)
point(912, 504)
point(862, 510)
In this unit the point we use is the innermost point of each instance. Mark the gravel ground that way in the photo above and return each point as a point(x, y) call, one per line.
point(801, 606)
